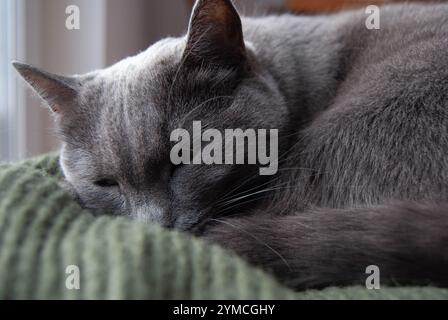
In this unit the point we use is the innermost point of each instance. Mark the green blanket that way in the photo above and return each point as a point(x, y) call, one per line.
point(43, 231)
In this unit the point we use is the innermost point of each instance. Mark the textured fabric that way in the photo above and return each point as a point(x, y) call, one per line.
point(42, 231)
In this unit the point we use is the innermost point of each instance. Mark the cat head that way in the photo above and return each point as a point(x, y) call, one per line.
point(115, 124)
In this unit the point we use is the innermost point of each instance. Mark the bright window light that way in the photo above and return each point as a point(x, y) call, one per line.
point(12, 130)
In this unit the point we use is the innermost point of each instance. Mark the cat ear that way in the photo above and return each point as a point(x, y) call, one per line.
point(59, 92)
point(215, 34)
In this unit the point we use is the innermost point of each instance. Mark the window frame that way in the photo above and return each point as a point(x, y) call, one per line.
point(12, 120)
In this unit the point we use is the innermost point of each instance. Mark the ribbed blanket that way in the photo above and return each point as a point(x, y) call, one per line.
point(43, 232)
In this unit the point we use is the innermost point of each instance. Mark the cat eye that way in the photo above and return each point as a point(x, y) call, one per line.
point(106, 183)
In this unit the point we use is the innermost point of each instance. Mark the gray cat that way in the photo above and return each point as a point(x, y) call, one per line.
point(363, 125)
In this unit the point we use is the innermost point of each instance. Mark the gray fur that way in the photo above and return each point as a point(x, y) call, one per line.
point(363, 119)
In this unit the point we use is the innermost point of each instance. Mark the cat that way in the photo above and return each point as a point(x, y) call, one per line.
point(363, 140)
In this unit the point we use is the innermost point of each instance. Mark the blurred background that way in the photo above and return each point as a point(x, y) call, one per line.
point(34, 31)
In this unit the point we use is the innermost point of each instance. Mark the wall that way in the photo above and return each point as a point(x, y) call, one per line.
point(50, 46)
point(110, 30)
point(133, 25)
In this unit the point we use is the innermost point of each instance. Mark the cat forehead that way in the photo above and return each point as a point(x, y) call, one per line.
point(135, 82)
point(133, 72)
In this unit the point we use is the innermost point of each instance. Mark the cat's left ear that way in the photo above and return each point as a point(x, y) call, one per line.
point(215, 35)
point(59, 92)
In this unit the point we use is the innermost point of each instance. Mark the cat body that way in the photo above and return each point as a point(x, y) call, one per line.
point(350, 80)
point(363, 130)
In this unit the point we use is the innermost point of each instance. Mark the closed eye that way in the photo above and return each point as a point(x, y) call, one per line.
point(106, 183)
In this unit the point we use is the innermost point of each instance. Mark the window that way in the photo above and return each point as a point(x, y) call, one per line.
point(11, 115)
point(34, 32)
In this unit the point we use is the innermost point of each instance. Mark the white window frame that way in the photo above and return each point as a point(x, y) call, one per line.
point(12, 139)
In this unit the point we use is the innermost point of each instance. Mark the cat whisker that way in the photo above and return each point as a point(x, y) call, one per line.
point(279, 187)
point(255, 238)
point(239, 204)
point(244, 193)
point(230, 194)
point(225, 196)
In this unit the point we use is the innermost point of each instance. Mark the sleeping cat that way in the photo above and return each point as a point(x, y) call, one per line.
point(363, 140)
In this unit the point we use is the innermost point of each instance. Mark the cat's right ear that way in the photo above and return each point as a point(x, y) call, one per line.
point(215, 35)
point(60, 93)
